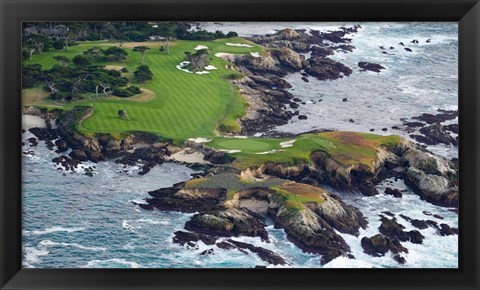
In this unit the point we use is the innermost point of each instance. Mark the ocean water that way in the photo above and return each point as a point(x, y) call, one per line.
point(413, 83)
point(72, 220)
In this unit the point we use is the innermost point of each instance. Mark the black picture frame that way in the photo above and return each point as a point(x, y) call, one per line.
point(13, 12)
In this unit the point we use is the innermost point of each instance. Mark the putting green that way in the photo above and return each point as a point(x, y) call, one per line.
point(246, 145)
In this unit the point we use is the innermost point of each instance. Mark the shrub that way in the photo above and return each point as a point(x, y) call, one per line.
point(124, 70)
point(143, 73)
point(58, 45)
point(81, 60)
point(126, 92)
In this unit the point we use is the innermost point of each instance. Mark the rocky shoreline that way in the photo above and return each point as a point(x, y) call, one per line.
point(263, 84)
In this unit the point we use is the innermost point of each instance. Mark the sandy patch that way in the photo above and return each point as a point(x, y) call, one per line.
point(199, 140)
point(238, 44)
point(230, 151)
point(114, 67)
point(255, 54)
point(144, 96)
point(198, 47)
point(258, 206)
point(182, 66)
point(227, 56)
point(287, 143)
point(210, 67)
point(188, 156)
point(29, 121)
point(267, 152)
point(34, 96)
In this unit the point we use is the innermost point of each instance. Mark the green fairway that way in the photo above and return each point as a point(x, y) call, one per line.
point(185, 104)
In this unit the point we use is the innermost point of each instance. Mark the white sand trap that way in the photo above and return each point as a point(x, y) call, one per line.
point(257, 134)
point(240, 137)
point(188, 157)
point(202, 72)
point(238, 44)
point(287, 143)
point(255, 54)
point(267, 152)
point(182, 65)
point(199, 140)
point(210, 67)
point(230, 151)
point(201, 47)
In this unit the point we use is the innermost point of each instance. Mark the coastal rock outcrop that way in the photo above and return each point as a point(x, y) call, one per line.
point(228, 223)
point(325, 68)
point(370, 66)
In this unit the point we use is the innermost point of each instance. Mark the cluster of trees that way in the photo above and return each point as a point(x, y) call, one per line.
point(43, 36)
point(198, 60)
point(71, 79)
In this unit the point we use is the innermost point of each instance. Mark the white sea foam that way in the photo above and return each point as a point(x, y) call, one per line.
point(112, 263)
point(54, 230)
point(153, 222)
point(32, 255)
point(48, 243)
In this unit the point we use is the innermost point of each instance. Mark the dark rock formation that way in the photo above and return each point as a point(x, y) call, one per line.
point(436, 133)
point(370, 66)
point(182, 238)
point(326, 69)
point(228, 223)
point(264, 254)
point(378, 245)
point(395, 192)
point(446, 230)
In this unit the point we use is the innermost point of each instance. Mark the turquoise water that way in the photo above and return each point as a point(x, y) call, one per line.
point(73, 221)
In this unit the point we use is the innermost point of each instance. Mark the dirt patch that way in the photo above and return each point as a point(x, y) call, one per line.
point(145, 96)
point(114, 67)
point(36, 96)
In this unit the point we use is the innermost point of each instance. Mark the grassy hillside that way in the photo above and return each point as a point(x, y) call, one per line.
point(184, 104)
point(346, 148)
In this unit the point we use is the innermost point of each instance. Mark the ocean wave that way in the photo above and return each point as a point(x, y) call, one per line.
point(153, 222)
point(48, 243)
point(53, 230)
point(112, 263)
point(32, 255)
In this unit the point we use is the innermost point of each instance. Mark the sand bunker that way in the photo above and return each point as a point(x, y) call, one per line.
point(230, 151)
point(210, 67)
point(188, 157)
point(199, 140)
point(114, 67)
point(287, 143)
point(183, 67)
point(201, 47)
point(267, 152)
point(238, 44)
point(255, 54)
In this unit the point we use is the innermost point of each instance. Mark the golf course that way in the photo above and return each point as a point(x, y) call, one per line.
point(175, 104)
